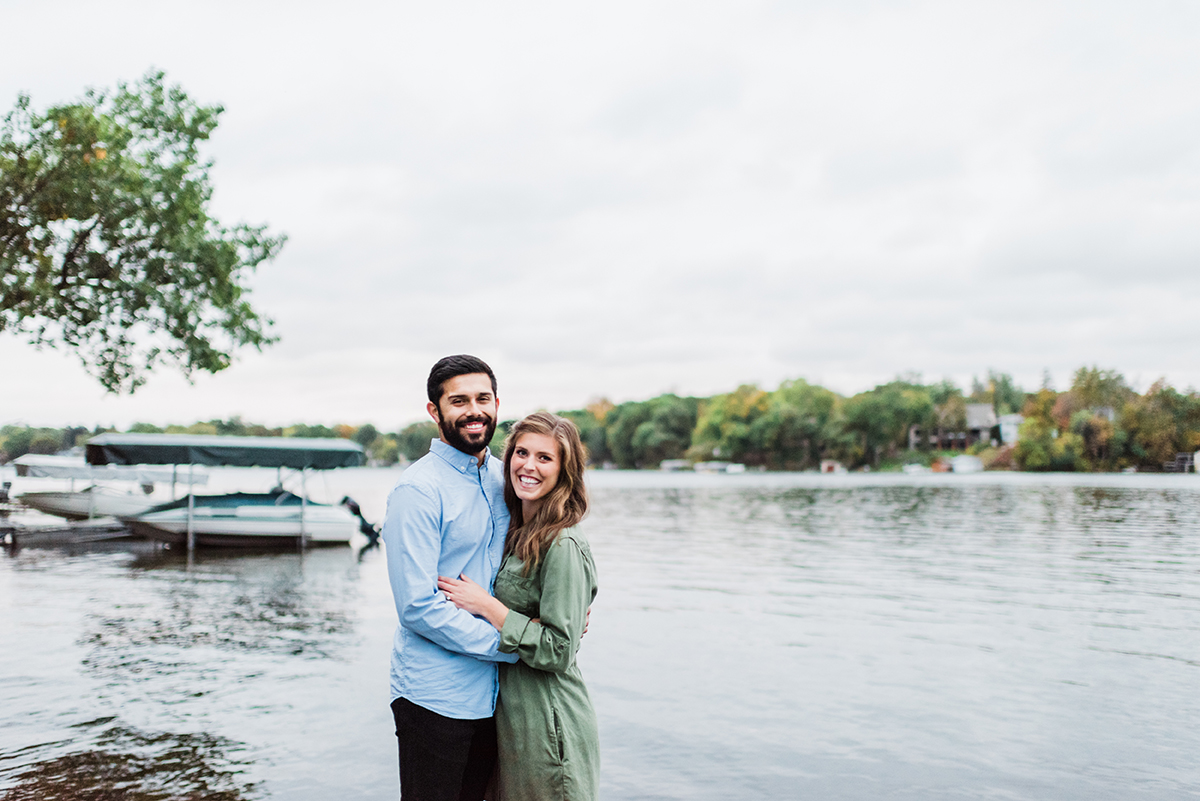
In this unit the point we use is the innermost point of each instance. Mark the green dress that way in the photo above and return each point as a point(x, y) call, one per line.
point(545, 724)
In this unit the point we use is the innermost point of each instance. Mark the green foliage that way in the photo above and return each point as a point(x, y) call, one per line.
point(1102, 424)
point(384, 450)
point(413, 441)
point(496, 446)
point(880, 419)
point(236, 427)
point(724, 428)
point(106, 243)
point(803, 424)
point(1093, 388)
point(1007, 397)
point(365, 435)
point(644, 433)
point(1098, 424)
point(302, 430)
point(1160, 424)
point(16, 441)
point(591, 431)
point(1042, 447)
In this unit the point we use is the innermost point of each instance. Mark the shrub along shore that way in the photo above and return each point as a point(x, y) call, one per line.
point(1098, 424)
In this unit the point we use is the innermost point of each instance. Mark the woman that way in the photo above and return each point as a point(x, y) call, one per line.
point(545, 724)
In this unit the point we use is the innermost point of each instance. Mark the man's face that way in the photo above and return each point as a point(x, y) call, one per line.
point(466, 414)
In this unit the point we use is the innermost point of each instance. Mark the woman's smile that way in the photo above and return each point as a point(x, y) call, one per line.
point(534, 469)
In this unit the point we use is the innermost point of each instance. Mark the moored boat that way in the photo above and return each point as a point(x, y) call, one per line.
point(244, 519)
point(239, 519)
point(88, 503)
point(97, 500)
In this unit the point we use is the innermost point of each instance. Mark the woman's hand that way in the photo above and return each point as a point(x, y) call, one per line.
point(469, 596)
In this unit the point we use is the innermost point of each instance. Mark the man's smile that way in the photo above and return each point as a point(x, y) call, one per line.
point(473, 426)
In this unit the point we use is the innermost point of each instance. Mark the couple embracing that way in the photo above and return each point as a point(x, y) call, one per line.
point(492, 582)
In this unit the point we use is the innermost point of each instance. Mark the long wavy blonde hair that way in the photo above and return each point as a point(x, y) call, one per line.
point(563, 507)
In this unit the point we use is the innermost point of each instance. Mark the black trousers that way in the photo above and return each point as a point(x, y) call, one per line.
point(441, 758)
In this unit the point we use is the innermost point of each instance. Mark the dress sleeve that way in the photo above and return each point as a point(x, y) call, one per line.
point(412, 542)
point(567, 590)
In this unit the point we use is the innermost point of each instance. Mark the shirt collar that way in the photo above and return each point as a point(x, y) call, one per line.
point(462, 462)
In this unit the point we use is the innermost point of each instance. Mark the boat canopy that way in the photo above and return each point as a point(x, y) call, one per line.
point(298, 453)
point(34, 465)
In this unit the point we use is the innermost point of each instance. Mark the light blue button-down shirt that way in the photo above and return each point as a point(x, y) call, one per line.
point(446, 516)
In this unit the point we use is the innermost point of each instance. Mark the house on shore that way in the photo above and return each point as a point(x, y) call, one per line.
point(1010, 426)
point(982, 425)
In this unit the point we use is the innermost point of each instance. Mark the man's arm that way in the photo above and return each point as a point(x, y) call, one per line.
point(413, 542)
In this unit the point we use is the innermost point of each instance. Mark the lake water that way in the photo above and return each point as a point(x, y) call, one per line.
point(765, 636)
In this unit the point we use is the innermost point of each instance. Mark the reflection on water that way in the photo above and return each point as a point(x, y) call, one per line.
point(755, 637)
point(231, 602)
point(903, 641)
point(110, 762)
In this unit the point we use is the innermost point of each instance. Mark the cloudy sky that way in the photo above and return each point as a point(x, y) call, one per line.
point(632, 198)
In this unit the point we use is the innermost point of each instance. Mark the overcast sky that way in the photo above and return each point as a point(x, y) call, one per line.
point(631, 198)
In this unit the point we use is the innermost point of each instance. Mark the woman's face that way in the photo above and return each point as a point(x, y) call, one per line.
point(533, 471)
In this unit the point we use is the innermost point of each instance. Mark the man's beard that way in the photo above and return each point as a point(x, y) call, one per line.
point(469, 444)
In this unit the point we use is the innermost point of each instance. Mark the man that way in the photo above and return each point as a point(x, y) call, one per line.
point(447, 517)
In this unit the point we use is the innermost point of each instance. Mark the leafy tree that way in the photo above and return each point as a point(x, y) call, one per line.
point(496, 446)
point(591, 429)
point(644, 433)
point(384, 450)
point(1043, 443)
point(75, 435)
point(413, 441)
point(725, 426)
point(236, 427)
point(1101, 442)
point(365, 435)
point(621, 425)
point(106, 244)
point(1007, 397)
point(46, 441)
point(208, 429)
point(1160, 424)
point(668, 432)
point(16, 441)
point(1035, 443)
point(802, 425)
point(881, 418)
point(319, 431)
point(1093, 388)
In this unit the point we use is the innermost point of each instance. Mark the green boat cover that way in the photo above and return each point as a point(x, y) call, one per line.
point(234, 500)
point(295, 452)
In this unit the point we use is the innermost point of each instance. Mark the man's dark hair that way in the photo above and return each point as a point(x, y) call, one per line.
point(452, 366)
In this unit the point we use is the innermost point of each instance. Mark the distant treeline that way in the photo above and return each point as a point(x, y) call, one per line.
point(1098, 424)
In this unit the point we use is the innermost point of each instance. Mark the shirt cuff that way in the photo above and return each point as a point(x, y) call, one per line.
point(513, 632)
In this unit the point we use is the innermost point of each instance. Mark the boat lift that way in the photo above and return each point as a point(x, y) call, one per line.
point(75, 467)
point(296, 453)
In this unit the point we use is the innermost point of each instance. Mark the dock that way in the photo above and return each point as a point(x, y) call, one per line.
point(99, 529)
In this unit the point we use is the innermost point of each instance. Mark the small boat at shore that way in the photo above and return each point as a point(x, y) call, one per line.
point(243, 519)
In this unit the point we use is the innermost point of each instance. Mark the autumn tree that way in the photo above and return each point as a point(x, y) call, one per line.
point(106, 243)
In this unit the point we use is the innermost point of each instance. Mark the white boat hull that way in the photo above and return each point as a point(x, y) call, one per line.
point(249, 526)
point(84, 505)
